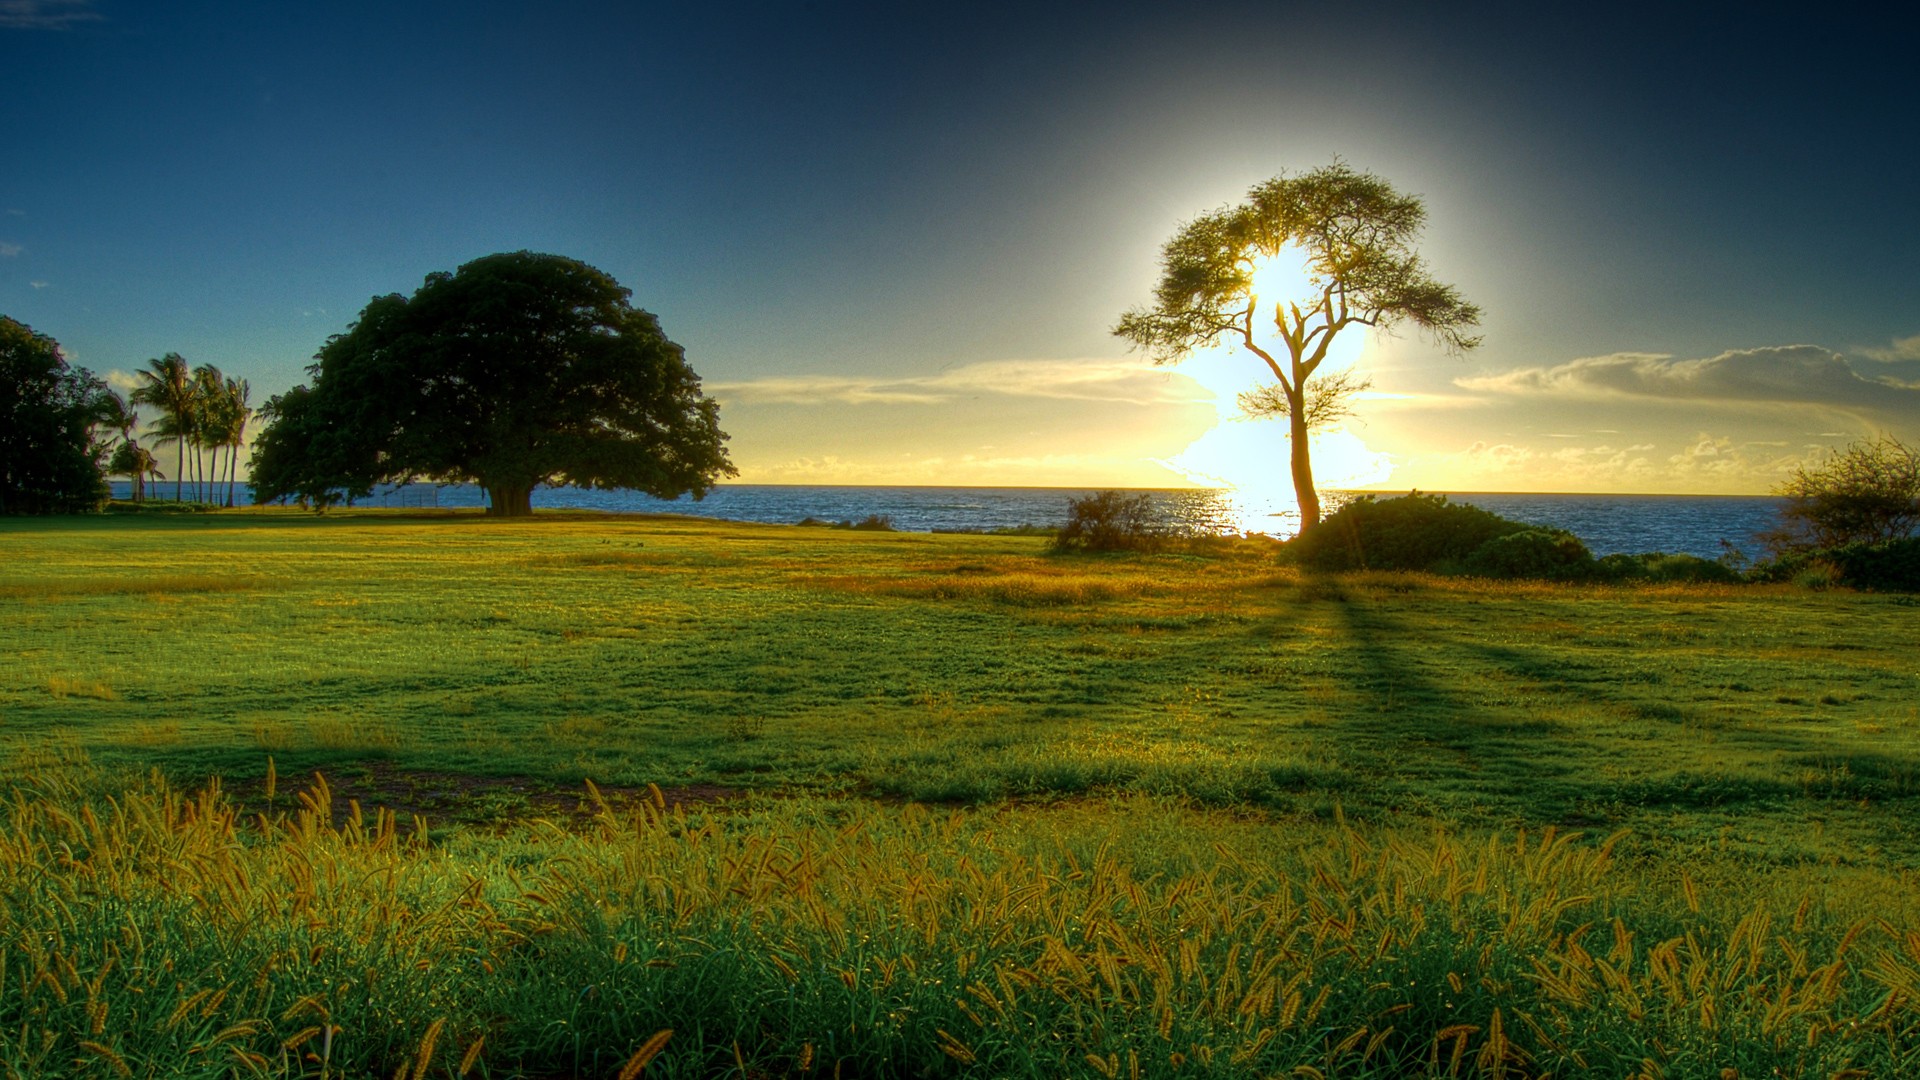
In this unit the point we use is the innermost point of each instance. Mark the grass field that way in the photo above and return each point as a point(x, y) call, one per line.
point(1178, 762)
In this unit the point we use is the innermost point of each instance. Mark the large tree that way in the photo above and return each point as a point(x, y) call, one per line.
point(50, 419)
point(517, 370)
point(1355, 235)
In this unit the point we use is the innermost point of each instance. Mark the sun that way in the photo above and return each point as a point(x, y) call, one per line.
point(1280, 278)
point(1249, 457)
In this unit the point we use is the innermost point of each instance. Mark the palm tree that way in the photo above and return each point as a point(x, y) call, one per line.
point(209, 422)
point(237, 413)
point(168, 384)
point(112, 411)
point(132, 460)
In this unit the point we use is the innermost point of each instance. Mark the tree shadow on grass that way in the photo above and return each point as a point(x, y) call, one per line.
point(1416, 736)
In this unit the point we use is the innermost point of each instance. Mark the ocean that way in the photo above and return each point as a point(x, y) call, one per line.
point(1694, 524)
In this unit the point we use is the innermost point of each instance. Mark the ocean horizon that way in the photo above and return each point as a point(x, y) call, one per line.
point(1703, 525)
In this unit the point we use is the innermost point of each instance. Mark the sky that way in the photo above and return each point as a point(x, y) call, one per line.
point(894, 239)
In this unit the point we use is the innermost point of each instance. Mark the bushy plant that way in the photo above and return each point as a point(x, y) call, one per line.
point(1415, 532)
point(1868, 493)
point(1893, 566)
point(1552, 554)
point(1110, 521)
point(1660, 566)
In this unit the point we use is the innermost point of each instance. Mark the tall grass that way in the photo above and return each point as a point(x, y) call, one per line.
point(156, 933)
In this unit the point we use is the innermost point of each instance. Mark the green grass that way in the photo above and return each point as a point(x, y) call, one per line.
point(980, 810)
point(163, 935)
point(959, 668)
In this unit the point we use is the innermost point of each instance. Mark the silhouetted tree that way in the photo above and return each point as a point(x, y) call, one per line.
point(517, 370)
point(1868, 493)
point(1356, 235)
point(49, 416)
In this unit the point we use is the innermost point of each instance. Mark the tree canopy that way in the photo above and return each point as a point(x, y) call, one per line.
point(516, 370)
point(1356, 236)
point(1868, 493)
point(49, 457)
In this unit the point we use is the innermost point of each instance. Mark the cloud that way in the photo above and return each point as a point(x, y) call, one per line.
point(1790, 374)
point(123, 381)
point(1126, 381)
point(1033, 469)
point(1906, 348)
point(39, 284)
point(46, 14)
point(1707, 462)
point(8, 251)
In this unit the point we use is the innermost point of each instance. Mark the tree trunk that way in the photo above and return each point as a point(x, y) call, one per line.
point(1303, 491)
point(509, 500)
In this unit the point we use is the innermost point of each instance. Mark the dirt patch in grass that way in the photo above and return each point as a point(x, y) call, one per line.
point(450, 797)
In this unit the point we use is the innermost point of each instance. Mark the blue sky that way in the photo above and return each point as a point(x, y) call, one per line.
point(894, 239)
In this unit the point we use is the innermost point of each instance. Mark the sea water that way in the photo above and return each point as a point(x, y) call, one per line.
point(1701, 525)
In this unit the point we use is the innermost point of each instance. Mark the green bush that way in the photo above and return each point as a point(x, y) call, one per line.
point(1893, 566)
point(1552, 554)
point(1661, 566)
point(1415, 532)
point(1110, 521)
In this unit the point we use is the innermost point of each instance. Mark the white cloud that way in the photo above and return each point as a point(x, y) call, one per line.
point(46, 14)
point(39, 284)
point(123, 381)
point(8, 251)
point(1784, 373)
point(1125, 381)
point(1906, 348)
point(1038, 469)
point(1791, 374)
point(1704, 463)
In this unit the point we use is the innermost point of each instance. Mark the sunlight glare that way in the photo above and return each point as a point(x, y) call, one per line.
point(1281, 278)
point(1250, 457)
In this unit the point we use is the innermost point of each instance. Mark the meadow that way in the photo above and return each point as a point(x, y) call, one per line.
point(822, 802)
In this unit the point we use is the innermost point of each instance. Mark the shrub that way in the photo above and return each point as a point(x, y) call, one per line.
point(1552, 554)
point(1415, 532)
point(1110, 521)
point(1868, 493)
point(1661, 566)
point(1893, 566)
point(874, 523)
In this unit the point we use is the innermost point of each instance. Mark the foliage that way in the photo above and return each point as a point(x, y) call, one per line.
point(1414, 532)
point(168, 384)
point(1543, 554)
point(49, 452)
point(159, 933)
point(1890, 566)
point(515, 371)
point(200, 409)
point(1663, 567)
point(1357, 235)
point(1328, 399)
point(1867, 494)
point(1110, 521)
